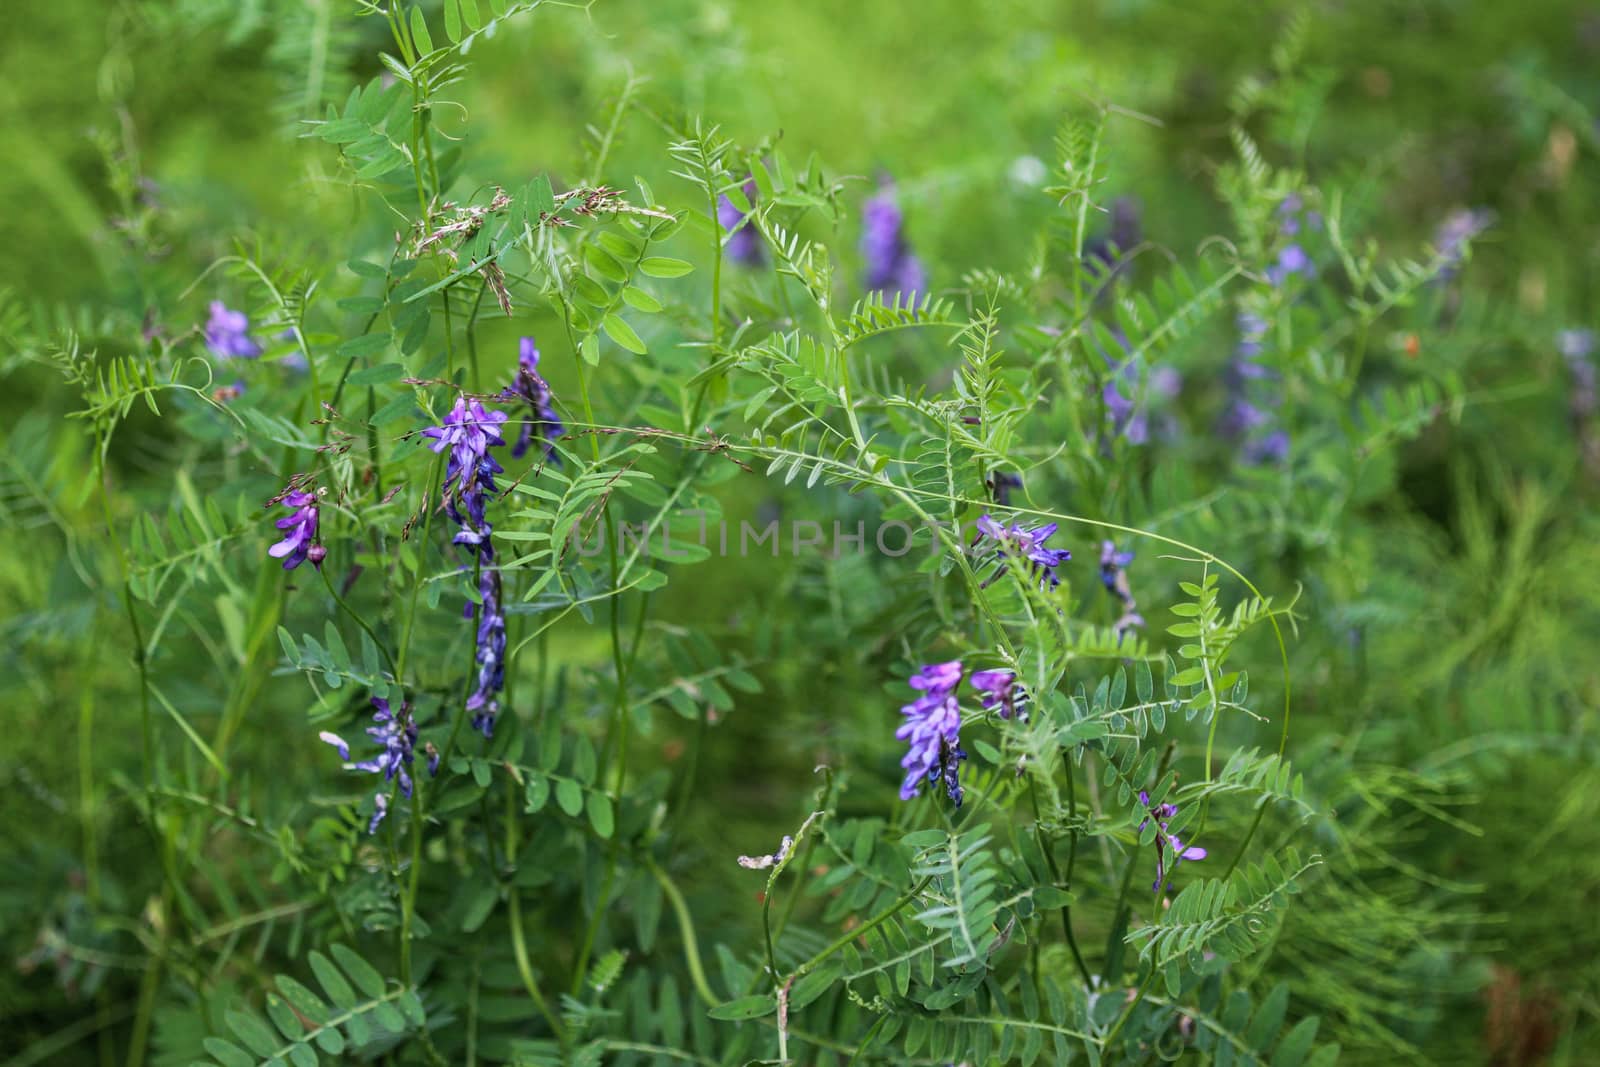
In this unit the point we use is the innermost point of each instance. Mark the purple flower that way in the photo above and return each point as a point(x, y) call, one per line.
point(300, 531)
point(530, 386)
point(1124, 233)
point(1025, 543)
point(1114, 576)
point(468, 432)
point(1292, 260)
point(1000, 691)
point(1001, 483)
point(397, 734)
point(1242, 419)
point(744, 243)
point(1450, 240)
point(891, 267)
point(1163, 813)
point(228, 333)
point(932, 732)
point(491, 653)
point(1577, 348)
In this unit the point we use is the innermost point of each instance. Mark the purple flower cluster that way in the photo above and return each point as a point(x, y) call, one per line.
point(1292, 258)
point(1450, 240)
point(1163, 813)
point(1128, 413)
point(491, 655)
point(1247, 380)
point(1114, 576)
point(932, 732)
point(529, 386)
point(1001, 693)
point(1024, 543)
point(1108, 250)
point(891, 266)
point(228, 333)
point(397, 734)
point(469, 431)
point(744, 243)
point(1577, 348)
point(300, 531)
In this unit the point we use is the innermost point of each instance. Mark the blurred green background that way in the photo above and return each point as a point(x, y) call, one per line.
point(142, 140)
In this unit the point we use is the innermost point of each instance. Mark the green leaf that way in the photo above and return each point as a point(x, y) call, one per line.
point(282, 1016)
point(452, 21)
point(252, 1031)
point(227, 1054)
point(411, 1005)
point(332, 981)
point(641, 300)
point(419, 32)
point(600, 816)
point(365, 976)
point(744, 1008)
point(305, 1002)
point(569, 796)
point(541, 198)
point(620, 332)
point(538, 791)
point(663, 267)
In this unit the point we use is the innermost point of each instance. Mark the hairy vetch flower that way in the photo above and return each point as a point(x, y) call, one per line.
point(1450, 240)
point(1242, 420)
point(1165, 841)
point(228, 333)
point(542, 421)
point(932, 732)
point(1025, 543)
point(469, 431)
point(1001, 483)
point(891, 266)
point(397, 734)
point(1114, 576)
point(1000, 691)
point(300, 531)
point(744, 244)
point(491, 653)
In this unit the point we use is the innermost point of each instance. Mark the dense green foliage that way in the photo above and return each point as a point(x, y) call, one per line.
point(1357, 661)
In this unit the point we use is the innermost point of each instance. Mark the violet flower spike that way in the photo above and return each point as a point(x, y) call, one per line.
point(744, 243)
point(300, 532)
point(228, 333)
point(1163, 814)
point(1001, 693)
point(932, 732)
point(542, 421)
point(491, 653)
point(397, 734)
point(891, 266)
point(1025, 543)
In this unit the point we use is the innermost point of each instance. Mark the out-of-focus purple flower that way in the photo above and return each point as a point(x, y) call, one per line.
point(891, 266)
point(1127, 400)
point(1242, 419)
point(491, 654)
point(1001, 483)
point(1114, 576)
point(296, 360)
point(1000, 690)
point(1575, 344)
point(300, 531)
point(1165, 841)
point(1450, 240)
point(542, 421)
point(469, 431)
point(228, 333)
point(1292, 260)
point(744, 243)
point(1123, 234)
point(397, 734)
point(932, 732)
point(1026, 543)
